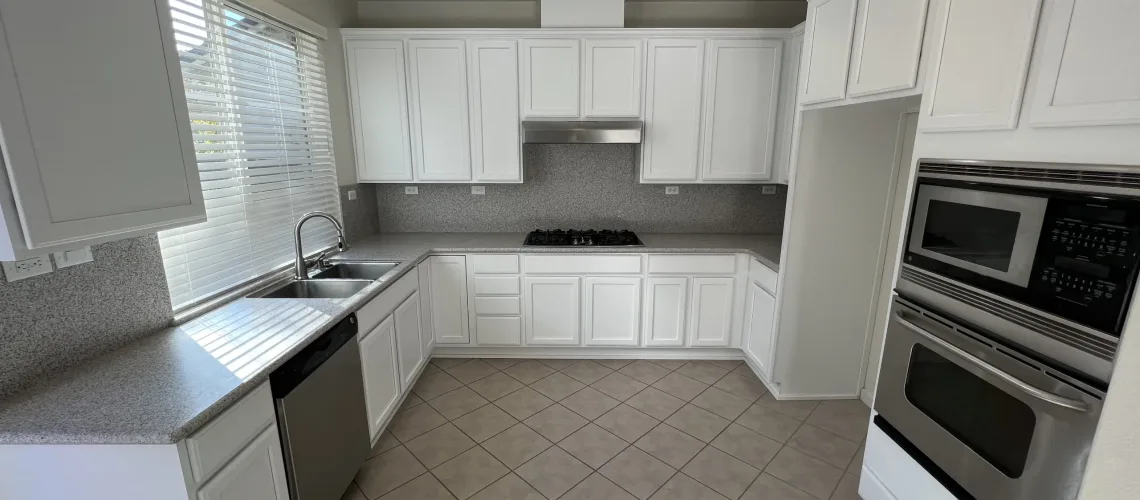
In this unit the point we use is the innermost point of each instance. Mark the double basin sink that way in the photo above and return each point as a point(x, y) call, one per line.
point(338, 281)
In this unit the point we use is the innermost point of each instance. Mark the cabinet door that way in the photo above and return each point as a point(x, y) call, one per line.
point(1083, 80)
point(449, 299)
point(93, 121)
point(256, 473)
point(980, 59)
point(827, 46)
point(743, 82)
point(441, 141)
point(612, 78)
point(408, 346)
point(711, 323)
point(672, 110)
point(759, 314)
point(379, 101)
point(552, 310)
point(887, 46)
point(427, 333)
point(381, 375)
point(665, 311)
point(495, 141)
point(612, 314)
point(550, 77)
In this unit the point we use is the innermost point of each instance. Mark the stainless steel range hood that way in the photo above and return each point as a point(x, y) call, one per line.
point(581, 132)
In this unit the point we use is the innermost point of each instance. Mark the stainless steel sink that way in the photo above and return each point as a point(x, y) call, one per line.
point(356, 271)
point(316, 289)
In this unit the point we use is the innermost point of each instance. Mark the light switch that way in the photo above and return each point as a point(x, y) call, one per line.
point(70, 258)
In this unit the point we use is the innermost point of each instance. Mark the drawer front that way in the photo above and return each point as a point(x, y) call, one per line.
point(582, 264)
point(763, 276)
point(692, 264)
point(382, 305)
point(225, 436)
point(498, 330)
point(495, 264)
point(497, 286)
point(498, 306)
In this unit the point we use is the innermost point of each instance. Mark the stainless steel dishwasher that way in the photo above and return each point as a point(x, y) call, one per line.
point(319, 397)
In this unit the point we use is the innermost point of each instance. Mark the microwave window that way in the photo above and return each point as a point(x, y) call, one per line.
point(981, 235)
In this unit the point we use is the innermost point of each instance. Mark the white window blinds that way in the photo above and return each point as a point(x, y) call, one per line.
point(259, 114)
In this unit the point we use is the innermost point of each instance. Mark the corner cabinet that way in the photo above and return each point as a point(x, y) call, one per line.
point(91, 152)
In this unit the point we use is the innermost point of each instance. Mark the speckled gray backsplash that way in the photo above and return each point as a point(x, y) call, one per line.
point(56, 320)
point(581, 186)
point(360, 219)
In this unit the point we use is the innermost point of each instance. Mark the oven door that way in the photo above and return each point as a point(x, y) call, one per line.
point(998, 424)
point(990, 233)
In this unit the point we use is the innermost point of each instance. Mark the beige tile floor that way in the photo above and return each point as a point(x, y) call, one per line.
point(512, 429)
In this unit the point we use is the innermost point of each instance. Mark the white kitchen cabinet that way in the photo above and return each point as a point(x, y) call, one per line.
point(257, 473)
point(494, 87)
point(381, 373)
point(612, 312)
point(611, 77)
point(441, 137)
point(759, 327)
point(743, 87)
point(408, 347)
point(94, 125)
point(827, 50)
point(449, 299)
point(379, 101)
point(666, 299)
point(552, 310)
point(1084, 79)
point(980, 57)
point(674, 76)
point(711, 314)
point(887, 46)
point(427, 333)
point(550, 77)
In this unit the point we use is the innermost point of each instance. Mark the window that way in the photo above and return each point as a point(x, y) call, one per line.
point(259, 114)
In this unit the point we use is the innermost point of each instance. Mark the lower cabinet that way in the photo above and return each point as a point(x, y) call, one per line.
point(665, 311)
point(759, 327)
point(408, 346)
point(711, 316)
point(381, 375)
point(449, 299)
point(552, 310)
point(254, 474)
point(612, 314)
point(427, 333)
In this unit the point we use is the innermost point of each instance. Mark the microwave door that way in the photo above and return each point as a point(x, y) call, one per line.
point(990, 233)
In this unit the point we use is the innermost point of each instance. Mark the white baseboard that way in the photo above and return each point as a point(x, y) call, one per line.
point(441, 351)
point(787, 396)
point(866, 396)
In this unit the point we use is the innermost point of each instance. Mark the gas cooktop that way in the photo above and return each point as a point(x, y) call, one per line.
point(573, 237)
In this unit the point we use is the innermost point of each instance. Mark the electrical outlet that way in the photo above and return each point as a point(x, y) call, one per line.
point(768, 190)
point(27, 268)
point(351, 195)
point(72, 257)
point(411, 190)
point(478, 189)
point(672, 189)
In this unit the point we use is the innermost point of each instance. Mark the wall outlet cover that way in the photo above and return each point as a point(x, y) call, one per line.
point(411, 190)
point(27, 268)
point(478, 189)
point(768, 190)
point(672, 189)
point(72, 257)
point(351, 195)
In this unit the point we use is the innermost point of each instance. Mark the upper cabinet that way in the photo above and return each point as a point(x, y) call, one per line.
point(550, 77)
point(611, 78)
point(494, 92)
point(1088, 74)
point(887, 46)
point(827, 50)
point(670, 151)
point(590, 78)
point(437, 78)
point(379, 110)
point(94, 127)
point(743, 82)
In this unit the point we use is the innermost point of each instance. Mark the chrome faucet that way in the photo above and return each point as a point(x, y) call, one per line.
point(300, 266)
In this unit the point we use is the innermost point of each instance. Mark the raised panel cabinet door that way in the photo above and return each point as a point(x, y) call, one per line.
point(741, 103)
point(441, 138)
point(256, 473)
point(381, 374)
point(1083, 78)
point(408, 346)
point(979, 61)
point(550, 77)
point(612, 312)
point(93, 121)
point(427, 333)
point(666, 309)
point(759, 316)
point(378, 97)
point(552, 310)
point(711, 316)
point(495, 141)
point(671, 147)
point(611, 80)
point(827, 50)
point(449, 299)
point(887, 46)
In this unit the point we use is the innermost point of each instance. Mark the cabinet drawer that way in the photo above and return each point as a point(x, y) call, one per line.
point(692, 264)
point(497, 305)
point(210, 448)
point(498, 330)
point(495, 264)
point(582, 264)
point(497, 286)
point(380, 307)
point(763, 276)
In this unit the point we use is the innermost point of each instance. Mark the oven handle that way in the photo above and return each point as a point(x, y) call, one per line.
point(1024, 386)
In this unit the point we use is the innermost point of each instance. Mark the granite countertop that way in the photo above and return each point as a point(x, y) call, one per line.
point(162, 388)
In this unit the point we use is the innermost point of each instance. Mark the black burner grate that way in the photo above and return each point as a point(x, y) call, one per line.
point(572, 237)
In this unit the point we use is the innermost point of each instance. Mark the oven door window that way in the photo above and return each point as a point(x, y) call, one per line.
point(980, 235)
point(996, 426)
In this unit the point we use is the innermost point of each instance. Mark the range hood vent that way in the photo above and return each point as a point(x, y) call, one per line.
point(581, 132)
